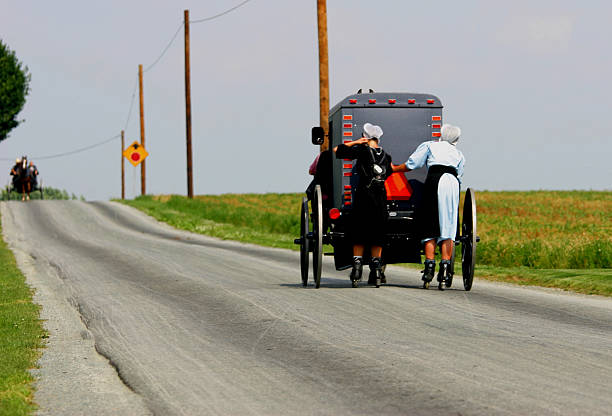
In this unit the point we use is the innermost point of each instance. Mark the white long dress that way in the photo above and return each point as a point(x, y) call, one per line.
point(445, 154)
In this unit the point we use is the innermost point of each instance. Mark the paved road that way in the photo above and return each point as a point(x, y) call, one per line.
point(197, 326)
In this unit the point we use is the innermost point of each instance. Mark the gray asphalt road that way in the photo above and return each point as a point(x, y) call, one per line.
point(197, 326)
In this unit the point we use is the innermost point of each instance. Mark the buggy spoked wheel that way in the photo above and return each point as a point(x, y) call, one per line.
point(468, 239)
point(317, 235)
point(304, 243)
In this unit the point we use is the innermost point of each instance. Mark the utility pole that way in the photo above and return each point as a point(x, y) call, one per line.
point(323, 71)
point(143, 171)
point(122, 166)
point(188, 108)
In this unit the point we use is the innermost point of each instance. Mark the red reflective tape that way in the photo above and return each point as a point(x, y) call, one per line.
point(391, 100)
point(347, 117)
point(347, 197)
point(436, 118)
point(348, 133)
point(412, 101)
point(347, 203)
point(436, 134)
point(431, 101)
point(347, 166)
point(347, 141)
point(347, 186)
point(347, 192)
point(353, 101)
point(372, 101)
point(348, 160)
point(436, 126)
point(348, 174)
point(347, 125)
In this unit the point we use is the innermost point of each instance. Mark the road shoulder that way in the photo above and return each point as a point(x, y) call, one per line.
point(72, 378)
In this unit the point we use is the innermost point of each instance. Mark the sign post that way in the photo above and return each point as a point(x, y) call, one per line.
point(122, 165)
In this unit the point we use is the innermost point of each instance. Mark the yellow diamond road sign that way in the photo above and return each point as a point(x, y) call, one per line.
point(135, 153)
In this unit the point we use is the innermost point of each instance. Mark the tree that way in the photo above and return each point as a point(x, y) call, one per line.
point(14, 86)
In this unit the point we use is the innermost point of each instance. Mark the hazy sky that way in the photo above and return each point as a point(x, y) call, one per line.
point(527, 81)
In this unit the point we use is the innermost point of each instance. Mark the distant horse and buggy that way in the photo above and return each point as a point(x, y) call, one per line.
point(24, 179)
point(408, 120)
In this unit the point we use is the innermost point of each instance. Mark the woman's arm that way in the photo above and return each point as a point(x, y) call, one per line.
point(419, 157)
point(363, 140)
point(400, 168)
point(460, 166)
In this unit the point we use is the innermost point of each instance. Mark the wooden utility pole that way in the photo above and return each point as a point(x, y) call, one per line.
point(323, 71)
point(122, 165)
point(143, 171)
point(188, 108)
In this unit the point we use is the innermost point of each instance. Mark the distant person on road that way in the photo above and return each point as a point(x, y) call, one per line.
point(33, 172)
point(369, 214)
point(15, 172)
point(440, 207)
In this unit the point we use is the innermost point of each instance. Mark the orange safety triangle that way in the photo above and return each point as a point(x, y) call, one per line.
point(398, 188)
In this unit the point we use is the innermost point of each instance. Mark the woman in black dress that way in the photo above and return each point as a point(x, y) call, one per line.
point(369, 214)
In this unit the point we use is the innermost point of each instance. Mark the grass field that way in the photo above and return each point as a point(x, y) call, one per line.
point(21, 336)
point(546, 230)
point(555, 239)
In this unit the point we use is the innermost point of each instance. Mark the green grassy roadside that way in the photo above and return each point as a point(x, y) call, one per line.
point(21, 337)
point(515, 222)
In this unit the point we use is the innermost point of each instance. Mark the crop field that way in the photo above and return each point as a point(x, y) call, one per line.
point(521, 232)
point(543, 229)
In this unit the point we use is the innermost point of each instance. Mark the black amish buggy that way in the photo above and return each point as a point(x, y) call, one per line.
point(24, 180)
point(407, 120)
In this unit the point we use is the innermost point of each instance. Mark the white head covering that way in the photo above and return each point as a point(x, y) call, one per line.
point(450, 134)
point(371, 131)
point(17, 160)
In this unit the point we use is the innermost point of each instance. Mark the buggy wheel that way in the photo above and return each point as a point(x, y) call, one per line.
point(317, 235)
point(304, 241)
point(468, 239)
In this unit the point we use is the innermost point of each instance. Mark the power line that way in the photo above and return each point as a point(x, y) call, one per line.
point(206, 19)
point(72, 152)
point(131, 105)
point(165, 49)
point(83, 149)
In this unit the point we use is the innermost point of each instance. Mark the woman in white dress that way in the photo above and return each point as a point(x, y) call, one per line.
point(440, 205)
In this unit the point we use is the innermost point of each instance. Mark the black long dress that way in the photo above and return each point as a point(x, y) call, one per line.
point(369, 214)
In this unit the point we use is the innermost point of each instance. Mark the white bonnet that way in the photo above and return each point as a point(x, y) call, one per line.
point(450, 133)
point(371, 131)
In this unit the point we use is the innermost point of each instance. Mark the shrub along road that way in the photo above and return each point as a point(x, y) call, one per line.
point(195, 325)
